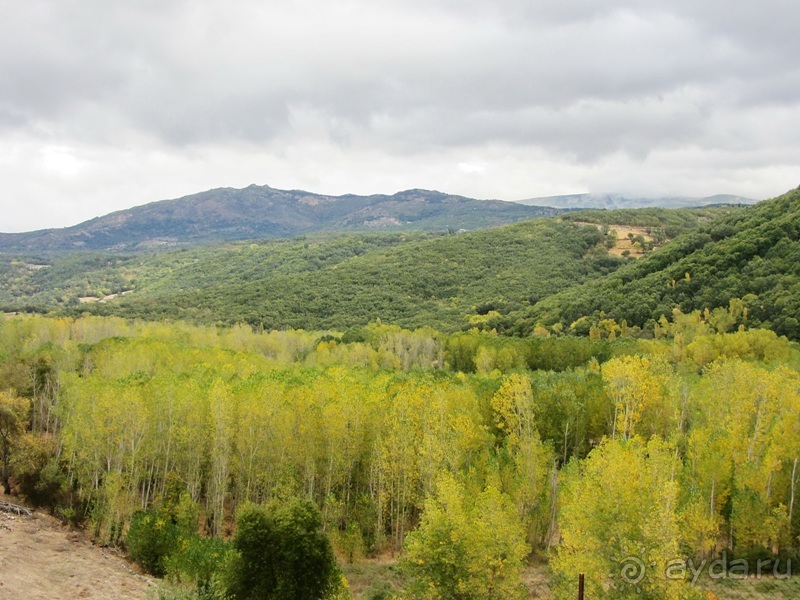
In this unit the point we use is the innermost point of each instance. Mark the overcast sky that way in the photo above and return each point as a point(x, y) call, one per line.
point(109, 104)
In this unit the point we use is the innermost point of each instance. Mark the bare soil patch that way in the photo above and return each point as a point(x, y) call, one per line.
point(40, 559)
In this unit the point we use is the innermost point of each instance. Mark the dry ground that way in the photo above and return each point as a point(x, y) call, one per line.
point(624, 243)
point(42, 560)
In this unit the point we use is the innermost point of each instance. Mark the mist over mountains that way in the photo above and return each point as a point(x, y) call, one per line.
point(615, 201)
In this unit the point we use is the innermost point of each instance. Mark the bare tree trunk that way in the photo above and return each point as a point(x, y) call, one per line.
point(6, 470)
point(614, 427)
point(713, 485)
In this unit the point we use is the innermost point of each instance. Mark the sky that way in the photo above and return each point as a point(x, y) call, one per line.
point(107, 105)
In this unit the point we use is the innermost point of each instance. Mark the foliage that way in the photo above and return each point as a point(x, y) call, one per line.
point(323, 282)
point(151, 539)
point(194, 422)
point(282, 554)
point(198, 561)
point(752, 254)
point(39, 477)
point(12, 424)
point(619, 524)
point(669, 221)
point(466, 548)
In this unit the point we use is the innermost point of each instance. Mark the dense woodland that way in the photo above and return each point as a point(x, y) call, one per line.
point(469, 404)
point(583, 451)
point(752, 254)
point(547, 272)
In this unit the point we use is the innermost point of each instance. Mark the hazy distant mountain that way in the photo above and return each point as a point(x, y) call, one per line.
point(262, 211)
point(614, 201)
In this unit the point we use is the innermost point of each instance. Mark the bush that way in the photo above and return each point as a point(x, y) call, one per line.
point(39, 478)
point(150, 540)
point(197, 560)
point(282, 554)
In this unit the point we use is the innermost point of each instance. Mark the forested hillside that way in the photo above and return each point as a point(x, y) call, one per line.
point(752, 254)
point(467, 453)
point(413, 280)
point(645, 423)
point(444, 280)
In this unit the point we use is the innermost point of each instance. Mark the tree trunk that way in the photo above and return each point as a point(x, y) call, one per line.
point(713, 484)
point(6, 470)
point(553, 506)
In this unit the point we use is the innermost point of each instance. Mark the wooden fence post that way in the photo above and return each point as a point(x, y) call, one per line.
point(580, 586)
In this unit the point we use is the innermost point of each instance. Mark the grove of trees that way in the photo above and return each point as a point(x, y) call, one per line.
point(465, 454)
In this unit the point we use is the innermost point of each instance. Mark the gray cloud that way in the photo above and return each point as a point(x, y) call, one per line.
point(306, 92)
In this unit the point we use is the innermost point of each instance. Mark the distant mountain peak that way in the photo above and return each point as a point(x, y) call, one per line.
point(261, 211)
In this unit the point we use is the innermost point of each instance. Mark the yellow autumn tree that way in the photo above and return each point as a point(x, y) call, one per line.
point(618, 523)
point(466, 548)
point(637, 385)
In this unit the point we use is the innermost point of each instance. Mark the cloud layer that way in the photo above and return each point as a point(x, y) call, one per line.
point(104, 105)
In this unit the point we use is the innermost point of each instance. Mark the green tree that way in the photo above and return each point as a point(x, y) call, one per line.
point(466, 549)
point(282, 554)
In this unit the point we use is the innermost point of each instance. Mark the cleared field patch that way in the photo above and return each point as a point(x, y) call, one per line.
point(627, 238)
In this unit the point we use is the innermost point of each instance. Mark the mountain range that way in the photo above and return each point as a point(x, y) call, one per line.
point(255, 212)
point(616, 201)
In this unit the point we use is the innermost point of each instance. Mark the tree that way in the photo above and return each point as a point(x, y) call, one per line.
point(524, 461)
point(282, 554)
point(12, 424)
point(466, 549)
point(618, 522)
point(638, 385)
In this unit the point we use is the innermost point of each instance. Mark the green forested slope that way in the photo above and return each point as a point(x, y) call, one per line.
point(448, 281)
point(337, 283)
point(752, 254)
point(670, 222)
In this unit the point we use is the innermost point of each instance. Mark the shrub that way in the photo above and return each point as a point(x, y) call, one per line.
point(282, 554)
point(151, 539)
point(197, 560)
point(39, 477)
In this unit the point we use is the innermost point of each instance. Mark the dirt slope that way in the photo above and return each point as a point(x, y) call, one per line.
point(42, 560)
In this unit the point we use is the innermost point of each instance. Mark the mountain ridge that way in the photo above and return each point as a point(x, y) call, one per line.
point(616, 201)
point(230, 214)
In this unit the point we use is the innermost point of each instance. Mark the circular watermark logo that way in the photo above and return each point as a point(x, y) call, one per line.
point(632, 570)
